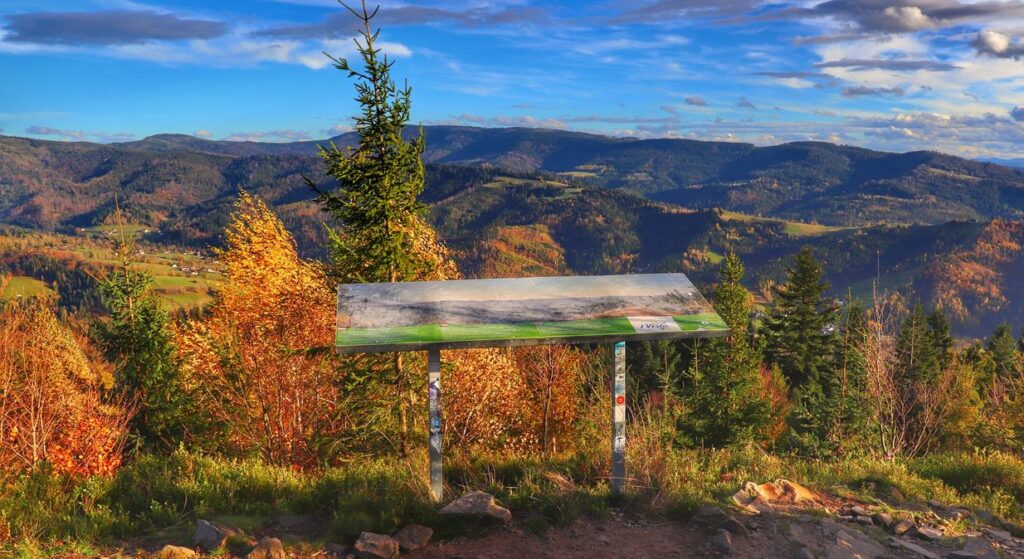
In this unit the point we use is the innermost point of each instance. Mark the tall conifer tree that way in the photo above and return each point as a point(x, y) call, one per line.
point(725, 404)
point(800, 324)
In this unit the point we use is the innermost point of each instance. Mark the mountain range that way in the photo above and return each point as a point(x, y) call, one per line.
point(515, 201)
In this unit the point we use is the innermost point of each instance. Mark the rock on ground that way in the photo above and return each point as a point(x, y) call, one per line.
point(375, 546)
point(914, 549)
point(267, 548)
point(853, 544)
point(175, 552)
point(478, 503)
point(413, 537)
point(210, 536)
point(722, 541)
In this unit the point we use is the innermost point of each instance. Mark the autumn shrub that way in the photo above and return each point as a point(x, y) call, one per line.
point(53, 404)
point(250, 358)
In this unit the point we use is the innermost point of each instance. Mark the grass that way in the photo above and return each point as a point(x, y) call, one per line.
point(156, 499)
point(791, 228)
point(25, 287)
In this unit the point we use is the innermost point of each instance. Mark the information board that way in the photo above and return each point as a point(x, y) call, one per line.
point(374, 317)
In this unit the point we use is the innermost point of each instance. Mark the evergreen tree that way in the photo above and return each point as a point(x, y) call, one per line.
point(800, 324)
point(137, 339)
point(919, 358)
point(382, 235)
point(940, 335)
point(655, 365)
point(1004, 349)
point(726, 405)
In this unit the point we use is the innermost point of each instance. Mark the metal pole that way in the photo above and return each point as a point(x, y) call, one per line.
point(434, 395)
point(619, 418)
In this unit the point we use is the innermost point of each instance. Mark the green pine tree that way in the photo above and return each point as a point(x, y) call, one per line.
point(382, 234)
point(940, 335)
point(137, 339)
point(918, 358)
point(800, 323)
point(725, 404)
point(1004, 349)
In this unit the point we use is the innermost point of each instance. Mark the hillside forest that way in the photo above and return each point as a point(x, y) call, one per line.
point(167, 327)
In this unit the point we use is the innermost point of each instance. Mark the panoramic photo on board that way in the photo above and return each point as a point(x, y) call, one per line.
point(512, 278)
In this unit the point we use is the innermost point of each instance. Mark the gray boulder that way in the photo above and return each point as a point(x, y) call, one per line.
point(903, 526)
point(477, 503)
point(913, 549)
point(413, 537)
point(928, 533)
point(375, 546)
point(212, 537)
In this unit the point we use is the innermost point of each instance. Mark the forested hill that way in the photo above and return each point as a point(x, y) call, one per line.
point(805, 181)
point(503, 217)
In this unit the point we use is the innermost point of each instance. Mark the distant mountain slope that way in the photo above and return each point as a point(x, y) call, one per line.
point(808, 181)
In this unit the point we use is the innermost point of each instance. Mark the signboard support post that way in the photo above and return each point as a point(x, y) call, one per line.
point(618, 418)
point(434, 395)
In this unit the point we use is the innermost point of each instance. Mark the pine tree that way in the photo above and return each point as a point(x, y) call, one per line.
point(940, 335)
point(138, 340)
point(1004, 349)
point(799, 326)
point(918, 358)
point(382, 235)
point(725, 404)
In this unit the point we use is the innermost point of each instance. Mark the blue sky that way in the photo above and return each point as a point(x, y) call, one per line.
point(887, 74)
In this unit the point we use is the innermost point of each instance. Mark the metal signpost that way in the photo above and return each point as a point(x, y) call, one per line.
point(436, 315)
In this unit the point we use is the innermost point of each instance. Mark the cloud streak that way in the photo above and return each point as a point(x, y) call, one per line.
point(118, 27)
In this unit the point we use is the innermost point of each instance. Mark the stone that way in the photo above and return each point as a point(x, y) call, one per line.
point(337, 550)
point(710, 516)
point(903, 526)
point(212, 537)
point(175, 552)
point(882, 519)
point(803, 553)
point(928, 533)
point(912, 547)
point(961, 554)
point(1001, 535)
point(375, 546)
point(734, 526)
point(852, 544)
point(413, 537)
point(865, 520)
point(980, 548)
point(858, 510)
point(267, 548)
point(722, 541)
point(935, 504)
point(478, 503)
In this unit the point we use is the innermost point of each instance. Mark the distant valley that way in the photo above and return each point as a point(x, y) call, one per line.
point(543, 202)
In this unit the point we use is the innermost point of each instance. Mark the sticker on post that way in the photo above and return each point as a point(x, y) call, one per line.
point(619, 445)
point(620, 414)
point(654, 324)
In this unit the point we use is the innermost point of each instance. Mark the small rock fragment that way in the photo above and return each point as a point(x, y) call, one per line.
point(858, 510)
point(903, 526)
point(375, 546)
point(928, 533)
point(337, 550)
point(267, 548)
point(882, 519)
point(413, 537)
point(722, 541)
point(710, 516)
point(912, 547)
point(478, 503)
point(854, 544)
point(865, 520)
point(175, 552)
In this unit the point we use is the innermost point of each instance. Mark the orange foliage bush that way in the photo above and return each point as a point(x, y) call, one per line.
point(52, 406)
point(251, 357)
